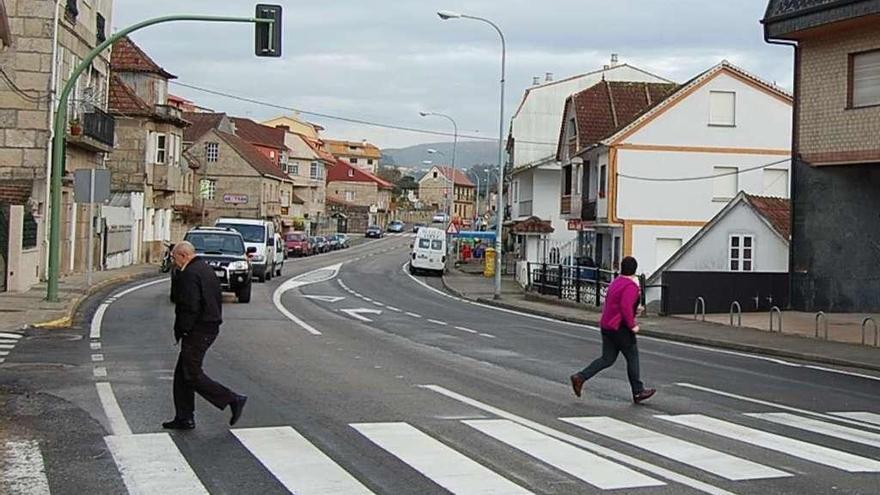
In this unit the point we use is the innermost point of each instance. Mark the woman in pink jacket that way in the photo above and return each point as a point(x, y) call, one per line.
point(619, 329)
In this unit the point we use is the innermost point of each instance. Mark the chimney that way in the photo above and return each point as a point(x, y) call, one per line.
point(613, 60)
point(548, 76)
point(536, 80)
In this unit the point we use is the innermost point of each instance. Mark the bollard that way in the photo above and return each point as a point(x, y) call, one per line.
point(821, 315)
point(874, 323)
point(700, 303)
point(778, 311)
point(739, 314)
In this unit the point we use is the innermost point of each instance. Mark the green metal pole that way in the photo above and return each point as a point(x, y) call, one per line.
point(58, 140)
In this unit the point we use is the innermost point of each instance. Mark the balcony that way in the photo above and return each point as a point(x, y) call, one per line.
point(565, 205)
point(168, 112)
point(165, 178)
point(588, 210)
point(98, 132)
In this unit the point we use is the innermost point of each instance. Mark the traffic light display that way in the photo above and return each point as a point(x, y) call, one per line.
point(267, 35)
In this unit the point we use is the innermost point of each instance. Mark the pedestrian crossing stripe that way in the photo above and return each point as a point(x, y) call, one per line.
point(24, 470)
point(865, 417)
point(822, 428)
point(151, 464)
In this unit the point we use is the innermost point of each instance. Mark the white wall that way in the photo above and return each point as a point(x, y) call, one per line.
point(645, 243)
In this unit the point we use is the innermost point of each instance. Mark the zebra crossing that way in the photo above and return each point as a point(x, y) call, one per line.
point(302, 467)
point(8, 340)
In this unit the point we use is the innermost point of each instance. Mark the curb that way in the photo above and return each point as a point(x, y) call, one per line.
point(687, 339)
point(74, 305)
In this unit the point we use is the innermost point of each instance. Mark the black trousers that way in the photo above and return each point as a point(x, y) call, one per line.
point(614, 343)
point(189, 378)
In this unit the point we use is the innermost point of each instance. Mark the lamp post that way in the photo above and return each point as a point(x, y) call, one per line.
point(446, 15)
point(451, 187)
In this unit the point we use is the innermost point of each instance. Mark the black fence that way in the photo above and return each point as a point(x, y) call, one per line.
point(99, 125)
point(574, 283)
point(755, 291)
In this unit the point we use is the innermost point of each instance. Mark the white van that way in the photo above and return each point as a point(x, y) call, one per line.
point(259, 234)
point(428, 251)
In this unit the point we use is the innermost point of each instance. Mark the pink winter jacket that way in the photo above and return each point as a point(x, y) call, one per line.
point(620, 304)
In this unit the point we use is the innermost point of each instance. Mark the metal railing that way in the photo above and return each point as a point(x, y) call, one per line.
point(739, 313)
point(99, 125)
point(778, 312)
point(574, 283)
point(700, 306)
point(821, 316)
point(864, 326)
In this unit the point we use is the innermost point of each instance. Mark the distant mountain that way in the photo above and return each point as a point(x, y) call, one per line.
point(468, 154)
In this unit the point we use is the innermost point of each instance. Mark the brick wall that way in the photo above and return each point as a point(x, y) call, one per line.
point(828, 130)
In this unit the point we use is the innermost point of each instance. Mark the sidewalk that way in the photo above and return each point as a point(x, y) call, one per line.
point(21, 309)
point(481, 289)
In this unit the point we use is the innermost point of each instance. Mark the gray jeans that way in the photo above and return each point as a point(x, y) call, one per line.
point(613, 343)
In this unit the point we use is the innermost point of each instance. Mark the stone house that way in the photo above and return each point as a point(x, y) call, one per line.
point(43, 41)
point(362, 155)
point(352, 185)
point(148, 158)
point(835, 150)
point(434, 185)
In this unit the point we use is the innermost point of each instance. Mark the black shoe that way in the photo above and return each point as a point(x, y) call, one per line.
point(644, 395)
point(179, 424)
point(236, 406)
point(577, 383)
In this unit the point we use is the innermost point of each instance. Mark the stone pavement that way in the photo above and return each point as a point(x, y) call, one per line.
point(22, 309)
point(795, 346)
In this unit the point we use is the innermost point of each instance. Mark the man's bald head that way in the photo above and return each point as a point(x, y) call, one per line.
point(183, 253)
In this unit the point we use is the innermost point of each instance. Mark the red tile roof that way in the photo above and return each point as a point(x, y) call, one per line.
point(259, 134)
point(777, 211)
point(124, 101)
point(128, 57)
point(460, 178)
point(253, 156)
point(340, 173)
point(201, 123)
point(318, 147)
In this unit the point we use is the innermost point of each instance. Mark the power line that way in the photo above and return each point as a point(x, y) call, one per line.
point(340, 118)
point(703, 177)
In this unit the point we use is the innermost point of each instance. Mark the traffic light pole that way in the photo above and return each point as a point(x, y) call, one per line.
point(58, 140)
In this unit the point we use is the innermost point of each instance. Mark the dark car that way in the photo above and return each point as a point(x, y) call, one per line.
point(375, 231)
point(297, 244)
point(223, 250)
point(417, 226)
point(343, 241)
point(396, 226)
point(332, 241)
point(320, 245)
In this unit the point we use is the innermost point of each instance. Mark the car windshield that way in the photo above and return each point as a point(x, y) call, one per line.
point(296, 237)
point(251, 233)
point(216, 243)
point(373, 227)
point(424, 243)
point(437, 245)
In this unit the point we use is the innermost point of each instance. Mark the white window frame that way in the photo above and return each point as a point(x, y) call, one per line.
point(718, 170)
point(315, 171)
point(293, 168)
point(349, 196)
point(212, 188)
point(714, 119)
point(160, 149)
point(212, 151)
point(740, 256)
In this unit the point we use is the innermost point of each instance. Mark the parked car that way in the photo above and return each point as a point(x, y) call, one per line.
point(343, 241)
point(298, 244)
point(440, 217)
point(280, 255)
point(417, 226)
point(319, 245)
point(332, 241)
point(375, 231)
point(223, 249)
point(396, 226)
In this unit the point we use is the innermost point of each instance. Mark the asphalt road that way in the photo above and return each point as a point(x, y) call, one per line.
point(382, 383)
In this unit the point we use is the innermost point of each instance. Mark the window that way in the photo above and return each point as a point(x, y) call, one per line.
point(435, 174)
point(350, 173)
point(369, 161)
point(161, 148)
point(316, 171)
point(207, 188)
point(349, 196)
point(353, 160)
point(741, 253)
point(212, 151)
point(566, 180)
point(722, 108)
point(572, 128)
point(725, 184)
point(864, 84)
point(272, 154)
point(100, 28)
point(602, 181)
point(775, 183)
point(437, 245)
point(293, 168)
point(615, 253)
point(424, 243)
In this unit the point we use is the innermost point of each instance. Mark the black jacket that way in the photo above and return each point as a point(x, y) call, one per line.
point(198, 300)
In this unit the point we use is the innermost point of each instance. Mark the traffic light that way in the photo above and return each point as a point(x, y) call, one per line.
point(267, 35)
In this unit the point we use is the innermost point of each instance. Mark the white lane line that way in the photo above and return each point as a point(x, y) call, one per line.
point(24, 471)
point(414, 315)
point(138, 287)
point(864, 417)
point(438, 322)
point(487, 335)
point(99, 372)
point(795, 448)
point(443, 465)
point(842, 372)
point(464, 329)
point(377, 303)
point(712, 461)
point(8, 335)
point(97, 319)
point(367, 299)
point(151, 464)
point(300, 466)
point(392, 308)
point(118, 425)
point(821, 427)
point(97, 358)
point(595, 470)
point(775, 405)
point(579, 442)
point(95, 346)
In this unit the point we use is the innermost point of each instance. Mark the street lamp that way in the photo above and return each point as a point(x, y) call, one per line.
point(446, 15)
point(449, 202)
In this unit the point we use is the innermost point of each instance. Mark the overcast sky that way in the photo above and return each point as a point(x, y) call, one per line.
point(385, 60)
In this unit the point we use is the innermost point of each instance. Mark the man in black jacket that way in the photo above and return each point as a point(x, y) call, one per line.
point(198, 314)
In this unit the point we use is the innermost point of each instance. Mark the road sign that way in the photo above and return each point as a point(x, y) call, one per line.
point(452, 228)
point(85, 191)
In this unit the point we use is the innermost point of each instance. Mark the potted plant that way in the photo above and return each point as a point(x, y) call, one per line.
point(75, 128)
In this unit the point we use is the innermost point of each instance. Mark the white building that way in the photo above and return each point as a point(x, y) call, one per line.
point(644, 184)
point(532, 143)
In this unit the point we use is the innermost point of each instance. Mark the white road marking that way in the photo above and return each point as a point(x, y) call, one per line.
point(151, 464)
point(712, 461)
point(138, 287)
point(592, 447)
point(7, 346)
point(8, 335)
point(377, 303)
point(313, 277)
point(329, 299)
point(118, 425)
point(468, 330)
point(595, 470)
point(392, 308)
point(795, 448)
point(97, 319)
point(99, 372)
point(775, 405)
point(487, 335)
point(821, 427)
point(300, 466)
point(95, 346)
point(4, 353)
point(367, 299)
point(414, 315)
point(24, 471)
point(357, 313)
point(96, 358)
point(864, 417)
point(443, 465)
point(438, 322)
